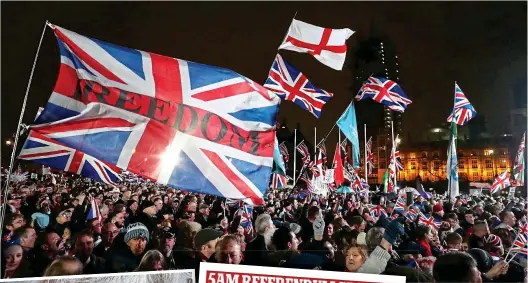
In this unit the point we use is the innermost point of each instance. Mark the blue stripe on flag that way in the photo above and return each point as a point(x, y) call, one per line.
point(53, 112)
point(264, 115)
point(203, 75)
point(129, 57)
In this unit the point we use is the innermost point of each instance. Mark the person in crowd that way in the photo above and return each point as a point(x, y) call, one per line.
point(355, 256)
point(205, 242)
point(15, 264)
point(507, 218)
point(50, 246)
point(476, 240)
point(456, 267)
point(167, 240)
point(83, 243)
point(257, 250)
point(12, 222)
point(108, 234)
point(469, 222)
point(64, 266)
point(285, 245)
point(228, 251)
point(203, 215)
point(126, 258)
point(453, 242)
point(153, 260)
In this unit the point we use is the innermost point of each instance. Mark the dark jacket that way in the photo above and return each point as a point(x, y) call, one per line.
point(256, 252)
point(121, 259)
point(39, 265)
point(411, 274)
point(192, 261)
point(23, 270)
point(95, 266)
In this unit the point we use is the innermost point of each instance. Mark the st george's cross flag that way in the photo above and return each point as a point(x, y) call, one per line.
point(195, 127)
point(327, 45)
point(290, 84)
point(463, 111)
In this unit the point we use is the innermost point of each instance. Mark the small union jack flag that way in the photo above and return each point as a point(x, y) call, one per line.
point(523, 228)
point(501, 182)
point(520, 242)
point(429, 221)
point(284, 152)
point(290, 84)
point(376, 210)
point(307, 181)
point(399, 164)
point(384, 91)
point(400, 205)
point(463, 111)
point(411, 215)
point(245, 212)
point(278, 181)
point(303, 150)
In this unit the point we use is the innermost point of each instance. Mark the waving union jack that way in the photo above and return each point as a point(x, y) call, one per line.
point(501, 182)
point(523, 228)
point(290, 84)
point(429, 221)
point(400, 205)
point(463, 111)
point(245, 212)
point(307, 181)
point(303, 150)
point(284, 152)
point(51, 153)
point(384, 91)
point(376, 210)
point(411, 215)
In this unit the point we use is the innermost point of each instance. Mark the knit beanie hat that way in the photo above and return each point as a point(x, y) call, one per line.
point(136, 230)
point(437, 207)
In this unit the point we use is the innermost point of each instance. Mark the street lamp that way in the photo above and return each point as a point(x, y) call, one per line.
point(9, 142)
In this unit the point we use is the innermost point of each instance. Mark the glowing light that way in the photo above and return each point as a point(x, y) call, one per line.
point(171, 156)
point(9, 143)
point(398, 140)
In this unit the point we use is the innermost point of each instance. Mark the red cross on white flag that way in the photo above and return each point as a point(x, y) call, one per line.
point(326, 45)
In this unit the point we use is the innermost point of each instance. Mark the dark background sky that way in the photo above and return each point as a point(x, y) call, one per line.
point(482, 45)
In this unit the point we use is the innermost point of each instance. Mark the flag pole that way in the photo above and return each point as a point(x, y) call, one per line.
point(294, 154)
point(17, 135)
point(315, 144)
point(393, 153)
point(366, 159)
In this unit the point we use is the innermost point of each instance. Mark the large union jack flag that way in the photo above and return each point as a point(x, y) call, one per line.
point(501, 182)
point(463, 111)
point(191, 126)
point(290, 84)
point(384, 91)
point(49, 152)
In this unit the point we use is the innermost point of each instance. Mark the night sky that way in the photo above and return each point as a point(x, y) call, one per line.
point(482, 45)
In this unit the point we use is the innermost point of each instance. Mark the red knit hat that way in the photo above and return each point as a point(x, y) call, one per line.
point(437, 207)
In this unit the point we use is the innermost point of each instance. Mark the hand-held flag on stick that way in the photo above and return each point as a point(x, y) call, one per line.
point(290, 84)
point(463, 111)
point(501, 182)
point(328, 46)
point(303, 150)
point(370, 156)
point(348, 125)
point(94, 213)
point(384, 91)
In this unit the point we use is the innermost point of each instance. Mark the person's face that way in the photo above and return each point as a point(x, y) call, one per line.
point(224, 223)
point(13, 256)
point(457, 246)
point(134, 206)
point(209, 248)
point(479, 210)
point(330, 230)
point(17, 223)
point(53, 243)
point(429, 235)
point(120, 219)
point(288, 208)
point(110, 231)
point(168, 243)
point(231, 253)
point(158, 204)
point(115, 195)
point(294, 244)
point(470, 218)
point(97, 227)
point(354, 259)
point(452, 221)
point(206, 211)
point(476, 276)
point(240, 230)
point(510, 219)
point(362, 226)
point(314, 203)
point(29, 240)
point(137, 245)
point(84, 246)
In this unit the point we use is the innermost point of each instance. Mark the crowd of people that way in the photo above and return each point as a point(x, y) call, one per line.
point(52, 229)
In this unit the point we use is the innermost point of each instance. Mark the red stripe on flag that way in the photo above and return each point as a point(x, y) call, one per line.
point(76, 162)
point(150, 150)
point(167, 77)
point(87, 58)
point(227, 91)
point(241, 186)
point(66, 81)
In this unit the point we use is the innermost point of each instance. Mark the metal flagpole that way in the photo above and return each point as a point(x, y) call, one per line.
point(393, 152)
point(366, 164)
point(315, 144)
point(294, 154)
point(13, 153)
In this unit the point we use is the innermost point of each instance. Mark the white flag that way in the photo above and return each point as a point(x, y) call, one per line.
point(328, 46)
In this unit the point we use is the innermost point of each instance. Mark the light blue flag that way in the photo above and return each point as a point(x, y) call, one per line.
point(278, 162)
point(348, 125)
point(452, 164)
